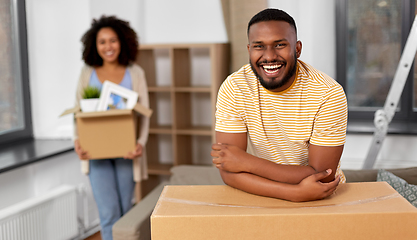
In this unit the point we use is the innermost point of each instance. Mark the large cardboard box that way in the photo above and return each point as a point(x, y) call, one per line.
point(108, 134)
point(356, 211)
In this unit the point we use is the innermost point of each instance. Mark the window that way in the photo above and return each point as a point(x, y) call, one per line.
point(370, 37)
point(15, 114)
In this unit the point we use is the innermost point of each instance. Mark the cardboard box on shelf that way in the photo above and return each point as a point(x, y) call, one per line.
point(372, 210)
point(108, 134)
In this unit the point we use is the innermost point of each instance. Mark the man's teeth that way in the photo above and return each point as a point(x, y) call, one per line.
point(272, 68)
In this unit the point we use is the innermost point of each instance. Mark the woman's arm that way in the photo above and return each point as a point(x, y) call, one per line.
point(141, 88)
point(82, 83)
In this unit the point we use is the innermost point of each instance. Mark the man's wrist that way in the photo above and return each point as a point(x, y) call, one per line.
point(296, 193)
point(249, 163)
point(290, 192)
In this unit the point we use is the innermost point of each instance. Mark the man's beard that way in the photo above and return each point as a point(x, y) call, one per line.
point(272, 85)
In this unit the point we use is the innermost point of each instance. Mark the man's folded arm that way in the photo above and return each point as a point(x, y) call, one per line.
point(309, 189)
point(233, 158)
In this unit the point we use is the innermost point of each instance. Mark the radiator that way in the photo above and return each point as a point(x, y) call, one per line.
point(52, 216)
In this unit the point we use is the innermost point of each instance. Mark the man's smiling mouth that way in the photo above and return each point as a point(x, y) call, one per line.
point(271, 69)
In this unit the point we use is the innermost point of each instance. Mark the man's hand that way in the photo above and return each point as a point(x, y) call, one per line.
point(82, 155)
point(229, 158)
point(135, 153)
point(311, 188)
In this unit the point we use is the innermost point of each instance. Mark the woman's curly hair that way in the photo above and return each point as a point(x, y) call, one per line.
point(127, 38)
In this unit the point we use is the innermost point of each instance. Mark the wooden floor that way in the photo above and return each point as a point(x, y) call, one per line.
point(96, 236)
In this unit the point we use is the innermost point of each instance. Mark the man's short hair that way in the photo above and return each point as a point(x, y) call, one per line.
point(272, 14)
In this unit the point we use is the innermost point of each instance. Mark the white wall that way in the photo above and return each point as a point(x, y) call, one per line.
point(183, 21)
point(397, 151)
point(316, 30)
point(54, 30)
point(125, 9)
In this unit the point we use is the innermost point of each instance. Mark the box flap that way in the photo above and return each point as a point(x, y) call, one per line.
point(139, 108)
point(111, 112)
point(70, 110)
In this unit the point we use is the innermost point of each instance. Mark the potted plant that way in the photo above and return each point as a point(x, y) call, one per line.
point(90, 99)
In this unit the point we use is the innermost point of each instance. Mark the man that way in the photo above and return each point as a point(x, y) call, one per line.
point(293, 115)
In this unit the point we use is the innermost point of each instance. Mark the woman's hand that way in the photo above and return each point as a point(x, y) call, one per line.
point(135, 153)
point(82, 155)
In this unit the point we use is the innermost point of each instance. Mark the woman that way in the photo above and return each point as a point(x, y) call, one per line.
point(110, 47)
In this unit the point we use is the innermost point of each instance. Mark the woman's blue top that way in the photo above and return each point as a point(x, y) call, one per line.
point(126, 81)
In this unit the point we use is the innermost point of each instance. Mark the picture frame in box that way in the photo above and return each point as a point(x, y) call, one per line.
point(114, 96)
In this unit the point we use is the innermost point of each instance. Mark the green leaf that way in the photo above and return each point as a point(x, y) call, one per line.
point(91, 92)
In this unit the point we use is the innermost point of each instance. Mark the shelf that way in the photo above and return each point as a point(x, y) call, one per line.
point(164, 89)
point(179, 46)
point(160, 130)
point(159, 89)
point(193, 89)
point(197, 131)
point(159, 169)
point(183, 81)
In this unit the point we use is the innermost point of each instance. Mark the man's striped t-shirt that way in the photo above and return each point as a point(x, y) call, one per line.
point(282, 125)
